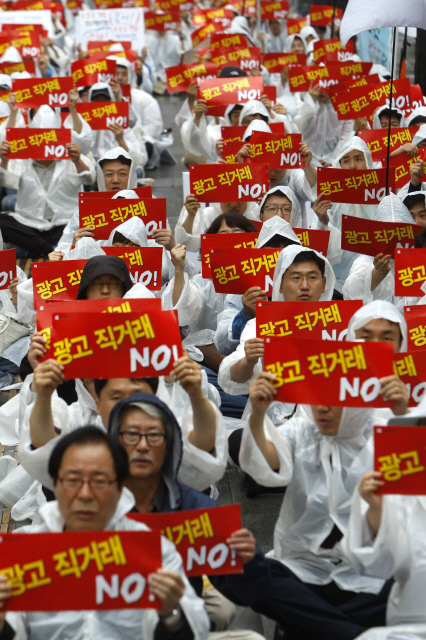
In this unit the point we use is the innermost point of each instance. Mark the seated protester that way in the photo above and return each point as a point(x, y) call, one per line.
point(262, 110)
point(417, 168)
point(417, 117)
point(275, 36)
point(165, 49)
point(148, 431)
point(115, 171)
point(301, 274)
point(356, 155)
point(88, 470)
point(385, 540)
point(319, 455)
point(149, 126)
point(290, 100)
point(317, 121)
point(295, 43)
point(416, 205)
point(372, 278)
point(104, 141)
point(47, 192)
point(382, 115)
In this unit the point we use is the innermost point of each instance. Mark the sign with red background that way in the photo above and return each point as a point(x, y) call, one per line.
point(415, 318)
point(33, 92)
point(410, 272)
point(7, 267)
point(276, 62)
point(236, 270)
point(278, 151)
point(223, 241)
point(38, 144)
point(370, 237)
point(143, 263)
point(100, 115)
point(377, 140)
point(230, 183)
point(180, 77)
point(355, 186)
point(400, 454)
point(87, 72)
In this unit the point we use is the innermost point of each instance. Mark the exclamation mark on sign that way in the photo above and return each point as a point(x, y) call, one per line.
point(233, 557)
point(155, 278)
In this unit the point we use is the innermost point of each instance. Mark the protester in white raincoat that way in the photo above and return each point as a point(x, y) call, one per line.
point(225, 340)
point(47, 196)
point(395, 549)
point(414, 185)
point(284, 261)
point(368, 272)
point(257, 108)
point(383, 112)
point(416, 117)
point(104, 141)
point(165, 49)
point(128, 624)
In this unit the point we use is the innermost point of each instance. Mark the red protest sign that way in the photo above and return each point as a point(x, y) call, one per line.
point(321, 15)
point(230, 151)
point(28, 44)
point(356, 186)
point(301, 77)
point(97, 570)
point(371, 237)
point(235, 134)
point(317, 239)
point(219, 40)
point(320, 320)
point(7, 267)
point(74, 6)
point(87, 72)
point(327, 373)
point(411, 368)
point(142, 192)
point(180, 77)
point(401, 164)
point(295, 25)
point(104, 214)
point(377, 140)
point(417, 99)
point(236, 270)
point(279, 151)
point(58, 280)
point(33, 92)
point(203, 16)
point(410, 272)
point(400, 455)
point(277, 10)
point(246, 58)
point(223, 241)
point(144, 264)
point(101, 45)
point(38, 144)
point(100, 115)
point(216, 183)
point(415, 318)
point(85, 344)
point(200, 536)
point(363, 101)
point(162, 21)
point(204, 32)
point(330, 48)
point(349, 69)
point(224, 91)
point(17, 67)
point(276, 62)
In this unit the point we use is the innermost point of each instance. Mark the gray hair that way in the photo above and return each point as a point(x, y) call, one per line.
point(154, 412)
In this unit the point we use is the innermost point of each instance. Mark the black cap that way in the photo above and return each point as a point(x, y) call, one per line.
point(232, 72)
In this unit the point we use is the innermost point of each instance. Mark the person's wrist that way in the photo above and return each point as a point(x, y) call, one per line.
point(171, 618)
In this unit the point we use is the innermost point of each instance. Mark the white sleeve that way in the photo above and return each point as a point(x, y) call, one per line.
point(151, 119)
point(358, 283)
point(300, 185)
point(334, 252)
point(254, 463)
point(224, 375)
point(189, 305)
point(136, 151)
point(223, 339)
point(306, 115)
point(192, 240)
point(199, 469)
point(195, 139)
point(385, 556)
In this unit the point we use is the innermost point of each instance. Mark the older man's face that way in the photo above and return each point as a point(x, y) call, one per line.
point(144, 439)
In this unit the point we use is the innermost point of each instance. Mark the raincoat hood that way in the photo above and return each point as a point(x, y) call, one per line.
point(5, 81)
point(101, 87)
point(286, 258)
point(173, 458)
point(420, 135)
point(391, 209)
point(133, 229)
point(239, 25)
point(307, 31)
point(85, 249)
point(289, 41)
point(45, 118)
point(360, 145)
point(123, 62)
point(296, 213)
point(373, 311)
point(376, 121)
point(127, 194)
point(420, 111)
point(353, 422)
point(256, 125)
point(276, 226)
point(100, 266)
point(11, 55)
point(405, 196)
point(380, 70)
point(113, 154)
point(251, 108)
point(227, 116)
point(20, 75)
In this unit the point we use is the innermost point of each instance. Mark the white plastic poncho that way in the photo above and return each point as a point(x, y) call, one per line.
point(374, 311)
point(286, 258)
point(419, 111)
point(256, 126)
point(251, 108)
point(358, 282)
point(420, 135)
point(201, 140)
point(376, 118)
point(296, 213)
point(321, 474)
point(290, 39)
point(126, 624)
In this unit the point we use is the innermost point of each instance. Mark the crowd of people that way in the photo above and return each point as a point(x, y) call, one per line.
point(347, 562)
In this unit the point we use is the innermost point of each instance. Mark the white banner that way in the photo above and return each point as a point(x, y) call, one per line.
point(111, 24)
point(43, 17)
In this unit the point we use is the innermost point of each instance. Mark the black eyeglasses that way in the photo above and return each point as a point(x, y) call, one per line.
point(132, 438)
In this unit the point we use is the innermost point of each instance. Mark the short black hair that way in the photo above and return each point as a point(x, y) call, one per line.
point(278, 242)
point(152, 382)
point(233, 220)
point(390, 113)
point(417, 120)
point(121, 160)
point(93, 436)
point(411, 200)
point(118, 237)
point(420, 239)
point(310, 256)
